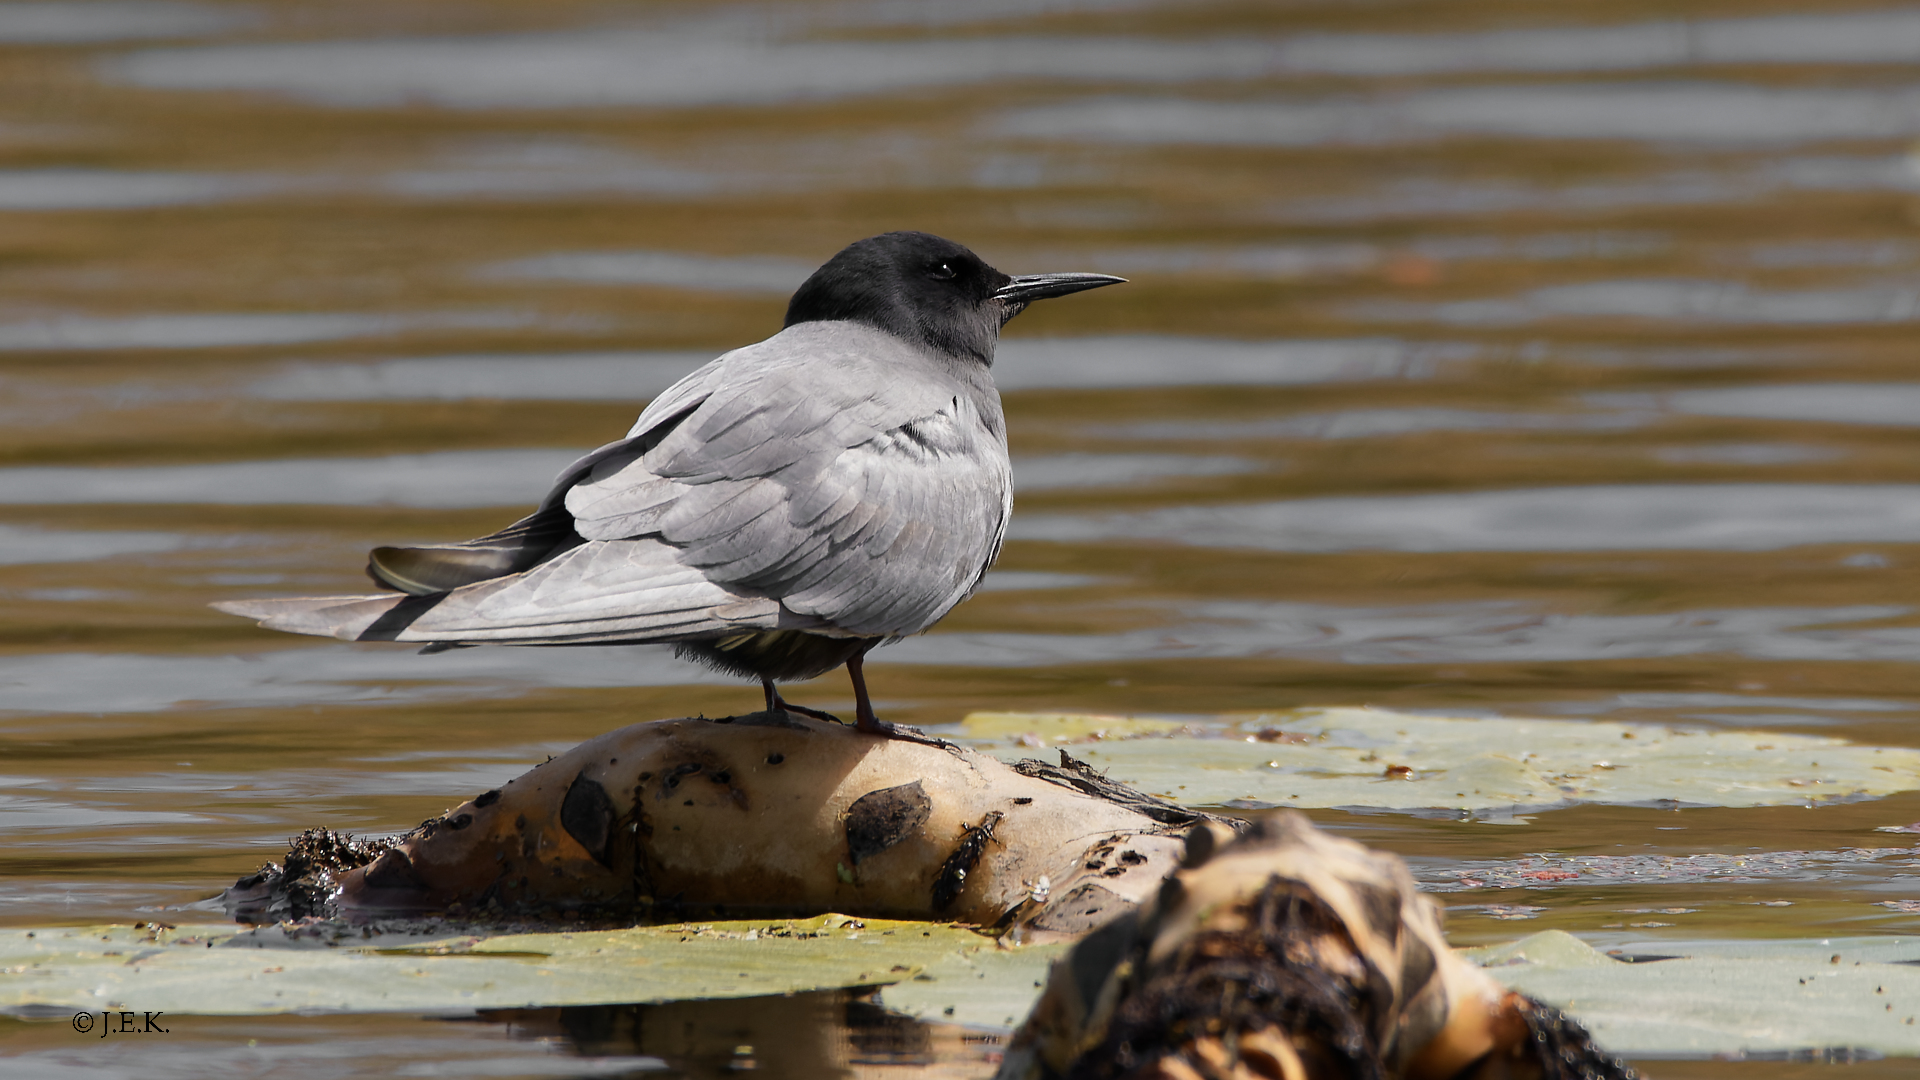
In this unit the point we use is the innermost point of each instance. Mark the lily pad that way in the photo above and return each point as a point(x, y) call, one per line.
point(1373, 758)
point(1726, 997)
point(225, 971)
point(1557, 871)
point(1054, 727)
point(984, 988)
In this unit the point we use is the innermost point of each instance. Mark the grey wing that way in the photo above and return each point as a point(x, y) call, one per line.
point(612, 591)
point(883, 539)
point(748, 497)
point(873, 515)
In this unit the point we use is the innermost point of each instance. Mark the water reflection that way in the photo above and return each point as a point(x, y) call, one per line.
point(722, 61)
point(25, 544)
point(1855, 37)
point(45, 22)
point(28, 900)
point(1723, 517)
point(1726, 114)
point(715, 63)
point(1698, 183)
point(553, 167)
point(1377, 423)
point(1087, 471)
point(72, 333)
point(26, 813)
point(1689, 301)
point(667, 269)
point(93, 189)
point(1831, 253)
point(634, 377)
point(797, 1037)
point(1276, 262)
point(374, 1046)
point(1756, 454)
point(803, 1036)
point(1489, 633)
point(336, 675)
point(444, 480)
point(1148, 361)
point(1892, 404)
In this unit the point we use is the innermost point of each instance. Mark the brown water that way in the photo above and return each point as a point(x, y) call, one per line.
point(1480, 357)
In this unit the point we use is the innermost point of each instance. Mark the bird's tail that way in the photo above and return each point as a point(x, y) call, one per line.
point(349, 618)
point(436, 568)
point(419, 571)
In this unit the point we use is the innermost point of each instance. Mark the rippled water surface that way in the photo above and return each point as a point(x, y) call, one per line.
point(1479, 358)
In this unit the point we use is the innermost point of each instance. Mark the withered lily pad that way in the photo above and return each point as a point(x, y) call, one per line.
point(1559, 871)
point(985, 988)
point(225, 971)
point(1727, 997)
point(1398, 761)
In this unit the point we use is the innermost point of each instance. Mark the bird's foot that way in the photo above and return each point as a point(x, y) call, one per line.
point(816, 714)
point(864, 721)
point(869, 724)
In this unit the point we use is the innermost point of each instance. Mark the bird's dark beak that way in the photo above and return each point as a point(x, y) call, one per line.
point(1026, 288)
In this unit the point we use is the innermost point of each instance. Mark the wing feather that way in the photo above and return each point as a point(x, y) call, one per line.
point(866, 487)
point(631, 589)
point(832, 478)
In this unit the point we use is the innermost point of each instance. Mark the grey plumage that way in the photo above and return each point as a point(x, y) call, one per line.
point(776, 513)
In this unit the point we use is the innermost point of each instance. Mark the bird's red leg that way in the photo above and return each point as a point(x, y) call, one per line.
point(863, 718)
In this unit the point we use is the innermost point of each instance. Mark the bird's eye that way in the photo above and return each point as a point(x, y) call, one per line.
point(942, 271)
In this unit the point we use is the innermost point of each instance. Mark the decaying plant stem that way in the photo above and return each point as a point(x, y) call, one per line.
point(766, 814)
point(1290, 955)
point(301, 885)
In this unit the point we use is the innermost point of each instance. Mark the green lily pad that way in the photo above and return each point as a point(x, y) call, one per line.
point(226, 971)
point(1374, 758)
point(1726, 997)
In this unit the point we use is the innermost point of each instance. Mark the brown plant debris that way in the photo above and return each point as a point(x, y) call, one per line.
point(1290, 955)
point(298, 887)
point(765, 814)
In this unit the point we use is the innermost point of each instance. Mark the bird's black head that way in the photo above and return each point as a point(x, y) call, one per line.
point(927, 290)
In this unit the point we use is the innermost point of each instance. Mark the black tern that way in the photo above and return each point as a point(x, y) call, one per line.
point(775, 514)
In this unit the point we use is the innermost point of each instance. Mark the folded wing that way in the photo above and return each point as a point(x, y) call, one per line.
point(807, 483)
